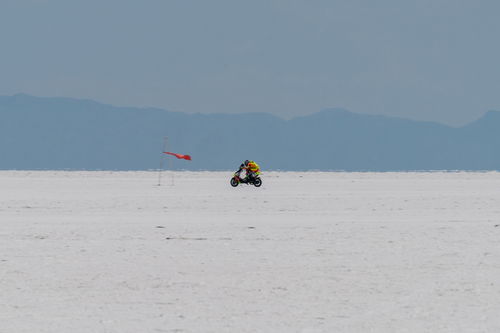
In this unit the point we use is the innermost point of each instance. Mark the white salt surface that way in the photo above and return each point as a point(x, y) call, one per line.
point(307, 252)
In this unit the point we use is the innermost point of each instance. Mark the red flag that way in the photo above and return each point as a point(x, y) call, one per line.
point(185, 157)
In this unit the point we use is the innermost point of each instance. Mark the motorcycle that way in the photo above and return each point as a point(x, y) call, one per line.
point(236, 180)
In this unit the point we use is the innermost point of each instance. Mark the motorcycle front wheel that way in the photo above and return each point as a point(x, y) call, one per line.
point(233, 182)
point(257, 182)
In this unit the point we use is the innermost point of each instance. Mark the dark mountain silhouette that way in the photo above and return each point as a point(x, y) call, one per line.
point(62, 133)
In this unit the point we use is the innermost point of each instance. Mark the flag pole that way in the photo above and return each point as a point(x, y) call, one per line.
point(164, 148)
point(170, 163)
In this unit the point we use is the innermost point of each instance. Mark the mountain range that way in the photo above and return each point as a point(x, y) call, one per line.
point(72, 134)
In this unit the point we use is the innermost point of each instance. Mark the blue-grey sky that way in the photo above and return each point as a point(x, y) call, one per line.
point(424, 59)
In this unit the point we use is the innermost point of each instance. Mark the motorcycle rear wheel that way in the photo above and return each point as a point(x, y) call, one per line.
point(257, 182)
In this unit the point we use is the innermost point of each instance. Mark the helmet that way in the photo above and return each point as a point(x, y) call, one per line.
point(246, 162)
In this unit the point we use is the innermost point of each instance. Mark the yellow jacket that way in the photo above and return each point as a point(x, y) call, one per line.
point(254, 167)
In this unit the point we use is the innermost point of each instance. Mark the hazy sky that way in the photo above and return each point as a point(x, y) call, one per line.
point(424, 59)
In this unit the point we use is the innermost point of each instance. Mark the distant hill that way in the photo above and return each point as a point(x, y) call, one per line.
point(63, 133)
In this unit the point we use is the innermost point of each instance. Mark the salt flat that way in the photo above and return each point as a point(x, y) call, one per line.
point(306, 252)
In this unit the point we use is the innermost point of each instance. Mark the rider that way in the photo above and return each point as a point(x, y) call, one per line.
point(251, 168)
